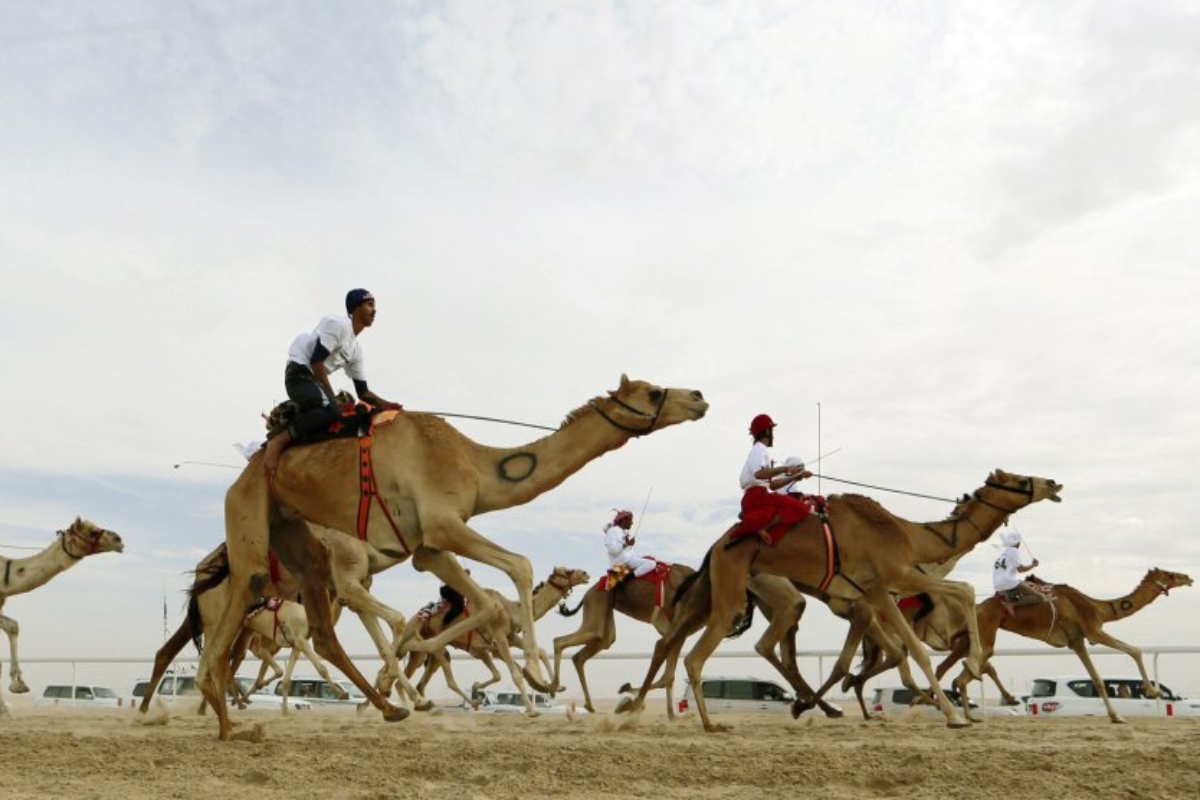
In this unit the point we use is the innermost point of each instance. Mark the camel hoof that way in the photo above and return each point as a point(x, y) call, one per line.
point(624, 705)
point(718, 728)
point(538, 685)
point(958, 722)
point(18, 686)
point(833, 712)
point(395, 713)
point(424, 705)
point(800, 706)
point(1118, 720)
point(625, 688)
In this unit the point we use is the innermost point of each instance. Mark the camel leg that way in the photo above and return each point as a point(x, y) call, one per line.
point(486, 658)
point(784, 625)
point(370, 611)
point(247, 520)
point(917, 652)
point(456, 536)
point(441, 660)
point(16, 683)
point(163, 658)
point(1080, 649)
point(1100, 637)
point(304, 554)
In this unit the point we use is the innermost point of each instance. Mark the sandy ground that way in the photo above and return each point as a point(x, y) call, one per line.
point(339, 753)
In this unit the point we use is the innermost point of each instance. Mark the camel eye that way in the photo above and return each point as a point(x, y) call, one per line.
point(656, 395)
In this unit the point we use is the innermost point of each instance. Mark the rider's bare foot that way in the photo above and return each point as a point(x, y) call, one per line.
point(274, 451)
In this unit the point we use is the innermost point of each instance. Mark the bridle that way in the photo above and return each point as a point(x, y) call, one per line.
point(1026, 491)
point(566, 590)
point(653, 419)
point(92, 544)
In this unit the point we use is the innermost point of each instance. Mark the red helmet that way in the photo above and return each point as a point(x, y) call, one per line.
point(623, 517)
point(761, 424)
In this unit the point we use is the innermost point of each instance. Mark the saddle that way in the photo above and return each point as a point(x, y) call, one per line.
point(356, 419)
point(1030, 592)
point(619, 574)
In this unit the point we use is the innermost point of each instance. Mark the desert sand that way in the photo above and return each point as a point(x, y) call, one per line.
point(339, 753)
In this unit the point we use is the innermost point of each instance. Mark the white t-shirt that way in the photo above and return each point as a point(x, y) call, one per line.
point(1004, 571)
point(614, 543)
point(759, 457)
point(337, 334)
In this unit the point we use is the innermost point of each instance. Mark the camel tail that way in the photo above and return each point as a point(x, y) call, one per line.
point(212, 575)
point(567, 611)
point(196, 621)
point(687, 583)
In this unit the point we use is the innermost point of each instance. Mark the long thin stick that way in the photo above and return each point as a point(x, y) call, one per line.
point(638, 527)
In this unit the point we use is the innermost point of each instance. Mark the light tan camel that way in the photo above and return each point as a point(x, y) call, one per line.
point(495, 640)
point(1072, 620)
point(284, 623)
point(412, 493)
point(352, 563)
point(779, 601)
point(864, 557)
point(20, 575)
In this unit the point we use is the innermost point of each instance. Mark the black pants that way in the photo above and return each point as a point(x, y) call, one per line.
point(317, 411)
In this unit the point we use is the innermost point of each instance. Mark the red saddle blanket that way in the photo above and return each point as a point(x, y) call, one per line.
point(620, 573)
point(760, 506)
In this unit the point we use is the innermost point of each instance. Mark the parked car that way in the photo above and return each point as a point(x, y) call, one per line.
point(738, 694)
point(317, 691)
point(1076, 696)
point(174, 689)
point(510, 702)
point(78, 696)
point(897, 702)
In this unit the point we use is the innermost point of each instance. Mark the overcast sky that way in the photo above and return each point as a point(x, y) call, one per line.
point(937, 238)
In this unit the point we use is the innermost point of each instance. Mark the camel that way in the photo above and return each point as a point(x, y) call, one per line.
point(352, 563)
point(494, 640)
point(409, 489)
point(864, 556)
point(81, 539)
point(284, 623)
point(1071, 619)
point(779, 601)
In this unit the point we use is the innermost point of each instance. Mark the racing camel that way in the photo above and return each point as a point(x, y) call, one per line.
point(1070, 619)
point(484, 643)
point(859, 560)
point(20, 575)
point(409, 489)
point(781, 603)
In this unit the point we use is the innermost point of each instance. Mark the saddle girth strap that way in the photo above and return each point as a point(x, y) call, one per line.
point(368, 490)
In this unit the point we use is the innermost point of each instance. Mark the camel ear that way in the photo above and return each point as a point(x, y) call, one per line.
point(624, 382)
point(78, 523)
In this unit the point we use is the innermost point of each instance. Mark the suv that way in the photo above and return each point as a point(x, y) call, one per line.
point(897, 701)
point(511, 702)
point(174, 688)
point(1076, 696)
point(78, 696)
point(738, 694)
point(318, 692)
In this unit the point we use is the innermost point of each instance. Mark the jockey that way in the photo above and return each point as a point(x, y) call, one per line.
point(762, 504)
point(792, 488)
point(1008, 565)
point(618, 541)
point(331, 346)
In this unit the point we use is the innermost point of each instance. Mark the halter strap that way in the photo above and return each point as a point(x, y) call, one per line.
point(594, 403)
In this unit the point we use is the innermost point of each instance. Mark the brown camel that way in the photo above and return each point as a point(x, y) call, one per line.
point(1071, 619)
point(20, 575)
point(495, 640)
point(864, 557)
point(781, 603)
point(412, 493)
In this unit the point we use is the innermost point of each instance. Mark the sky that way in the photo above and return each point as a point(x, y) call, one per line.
point(930, 239)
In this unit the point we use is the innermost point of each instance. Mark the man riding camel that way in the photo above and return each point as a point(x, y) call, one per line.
point(1010, 588)
point(312, 357)
point(762, 504)
point(619, 542)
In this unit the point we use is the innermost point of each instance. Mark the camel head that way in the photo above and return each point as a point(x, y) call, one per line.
point(1165, 581)
point(638, 407)
point(1023, 489)
point(85, 538)
point(565, 579)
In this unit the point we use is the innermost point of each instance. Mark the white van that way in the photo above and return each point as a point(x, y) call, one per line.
point(77, 696)
point(738, 694)
point(318, 692)
point(1076, 696)
point(896, 702)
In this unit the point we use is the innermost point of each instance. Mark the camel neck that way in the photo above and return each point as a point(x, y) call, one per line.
point(20, 575)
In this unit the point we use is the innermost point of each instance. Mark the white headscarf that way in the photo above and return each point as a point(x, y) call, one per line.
point(794, 461)
point(1012, 538)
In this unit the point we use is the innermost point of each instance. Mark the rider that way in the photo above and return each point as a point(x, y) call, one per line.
point(619, 543)
point(331, 346)
point(762, 505)
point(1008, 566)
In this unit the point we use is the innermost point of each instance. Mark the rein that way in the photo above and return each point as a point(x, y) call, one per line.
point(1027, 492)
point(637, 412)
